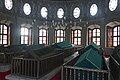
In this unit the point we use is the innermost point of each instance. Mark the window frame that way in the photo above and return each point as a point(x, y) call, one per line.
point(118, 35)
point(112, 36)
point(59, 37)
point(96, 37)
point(29, 36)
point(46, 36)
point(2, 34)
point(73, 36)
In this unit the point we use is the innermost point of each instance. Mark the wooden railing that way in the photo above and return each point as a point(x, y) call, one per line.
point(35, 68)
point(6, 54)
point(71, 72)
point(5, 58)
point(76, 73)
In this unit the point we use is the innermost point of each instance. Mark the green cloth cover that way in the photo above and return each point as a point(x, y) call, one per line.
point(93, 46)
point(90, 59)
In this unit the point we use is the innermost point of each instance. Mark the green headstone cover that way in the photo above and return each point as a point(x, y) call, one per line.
point(93, 46)
point(63, 45)
point(90, 59)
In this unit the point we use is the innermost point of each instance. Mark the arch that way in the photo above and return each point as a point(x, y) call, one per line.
point(60, 27)
point(26, 25)
point(42, 26)
point(76, 27)
point(92, 26)
point(113, 24)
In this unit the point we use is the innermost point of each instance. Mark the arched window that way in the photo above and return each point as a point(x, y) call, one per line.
point(3, 34)
point(59, 35)
point(43, 36)
point(76, 37)
point(113, 36)
point(26, 36)
point(94, 36)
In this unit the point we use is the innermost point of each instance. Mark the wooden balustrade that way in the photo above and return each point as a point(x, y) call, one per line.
point(5, 58)
point(36, 68)
point(71, 72)
point(77, 73)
